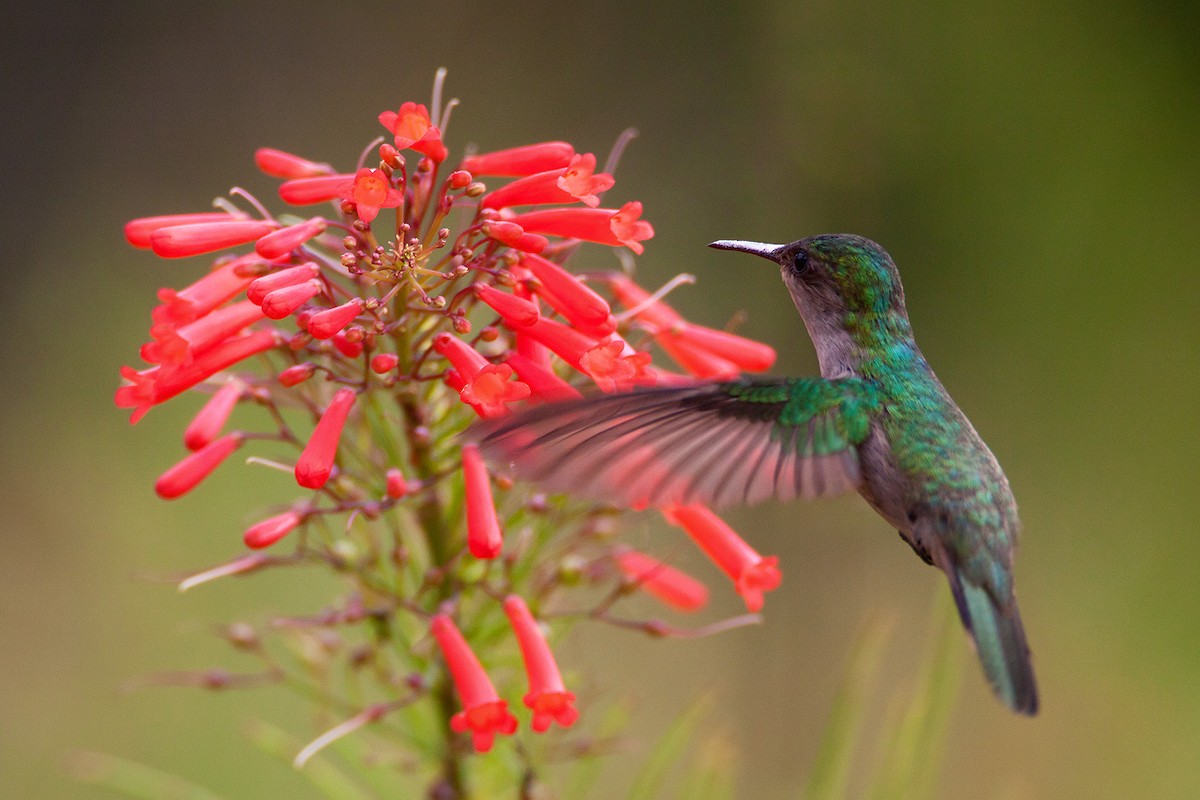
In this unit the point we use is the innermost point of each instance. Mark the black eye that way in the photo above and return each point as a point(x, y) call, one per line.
point(800, 262)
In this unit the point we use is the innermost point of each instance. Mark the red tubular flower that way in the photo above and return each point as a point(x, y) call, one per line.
point(397, 487)
point(414, 130)
point(466, 359)
point(517, 311)
point(370, 191)
point(324, 324)
point(547, 698)
point(601, 225)
point(484, 714)
point(283, 241)
point(153, 386)
point(578, 302)
point(138, 231)
point(746, 354)
point(296, 374)
point(697, 361)
point(383, 363)
point(180, 345)
point(541, 380)
point(751, 573)
point(259, 288)
point(180, 241)
point(279, 164)
point(490, 389)
point(307, 191)
point(207, 423)
point(520, 161)
point(225, 282)
point(662, 581)
point(611, 367)
point(184, 476)
point(568, 343)
point(316, 462)
point(483, 529)
point(267, 532)
point(282, 302)
point(514, 236)
point(573, 183)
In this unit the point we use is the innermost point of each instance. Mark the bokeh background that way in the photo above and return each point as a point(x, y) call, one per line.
point(1033, 167)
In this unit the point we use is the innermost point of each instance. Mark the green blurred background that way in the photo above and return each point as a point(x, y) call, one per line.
point(1032, 167)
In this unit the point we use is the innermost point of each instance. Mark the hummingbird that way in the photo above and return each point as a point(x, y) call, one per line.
point(877, 420)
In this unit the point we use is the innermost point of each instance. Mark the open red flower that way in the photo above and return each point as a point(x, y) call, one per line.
point(602, 225)
point(547, 697)
point(484, 714)
point(491, 388)
point(751, 573)
point(413, 130)
point(370, 191)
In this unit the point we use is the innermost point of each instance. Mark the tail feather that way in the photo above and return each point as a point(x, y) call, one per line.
point(1000, 642)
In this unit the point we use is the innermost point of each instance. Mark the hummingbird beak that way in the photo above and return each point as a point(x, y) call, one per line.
point(771, 252)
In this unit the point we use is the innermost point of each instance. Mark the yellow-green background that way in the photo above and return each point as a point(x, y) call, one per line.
point(1033, 168)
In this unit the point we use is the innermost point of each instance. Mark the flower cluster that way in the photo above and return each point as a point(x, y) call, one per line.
point(426, 293)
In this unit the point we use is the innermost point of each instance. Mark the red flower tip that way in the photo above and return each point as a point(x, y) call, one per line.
point(370, 191)
point(316, 462)
point(751, 573)
point(483, 529)
point(397, 487)
point(414, 130)
point(517, 311)
point(283, 241)
point(547, 697)
point(279, 164)
point(180, 241)
point(611, 367)
point(282, 302)
point(696, 360)
point(259, 288)
point(324, 324)
point(491, 389)
point(568, 343)
point(307, 191)
point(225, 282)
point(600, 225)
point(270, 530)
point(350, 348)
point(383, 363)
point(207, 424)
point(514, 236)
point(484, 714)
point(187, 474)
point(662, 581)
point(139, 231)
point(579, 181)
point(520, 161)
point(296, 374)
point(460, 179)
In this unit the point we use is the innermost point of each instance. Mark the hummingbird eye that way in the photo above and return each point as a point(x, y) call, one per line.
point(800, 262)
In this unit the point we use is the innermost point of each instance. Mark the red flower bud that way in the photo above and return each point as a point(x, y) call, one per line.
point(279, 164)
point(282, 302)
point(138, 231)
point(662, 581)
point(383, 363)
point(483, 529)
point(184, 476)
point(307, 191)
point(519, 161)
point(283, 241)
point(397, 487)
point(316, 462)
point(180, 241)
point(516, 311)
point(296, 374)
point(270, 530)
point(259, 288)
point(207, 424)
point(324, 324)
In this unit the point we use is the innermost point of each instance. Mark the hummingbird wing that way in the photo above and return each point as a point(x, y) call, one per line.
point(717, 443)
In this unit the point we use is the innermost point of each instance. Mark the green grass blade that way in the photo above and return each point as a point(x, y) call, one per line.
point(667, 753)
point(133, 779)
point(830, 774)
point(710, 776)
point(911, 756)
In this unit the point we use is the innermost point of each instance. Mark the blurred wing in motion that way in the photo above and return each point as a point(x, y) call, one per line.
point(718, 444)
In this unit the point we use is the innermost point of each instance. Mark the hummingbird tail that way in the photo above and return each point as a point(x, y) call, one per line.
point(1000, 642)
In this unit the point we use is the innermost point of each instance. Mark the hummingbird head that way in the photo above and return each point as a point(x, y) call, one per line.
point(846, 288)
point(833, 274)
